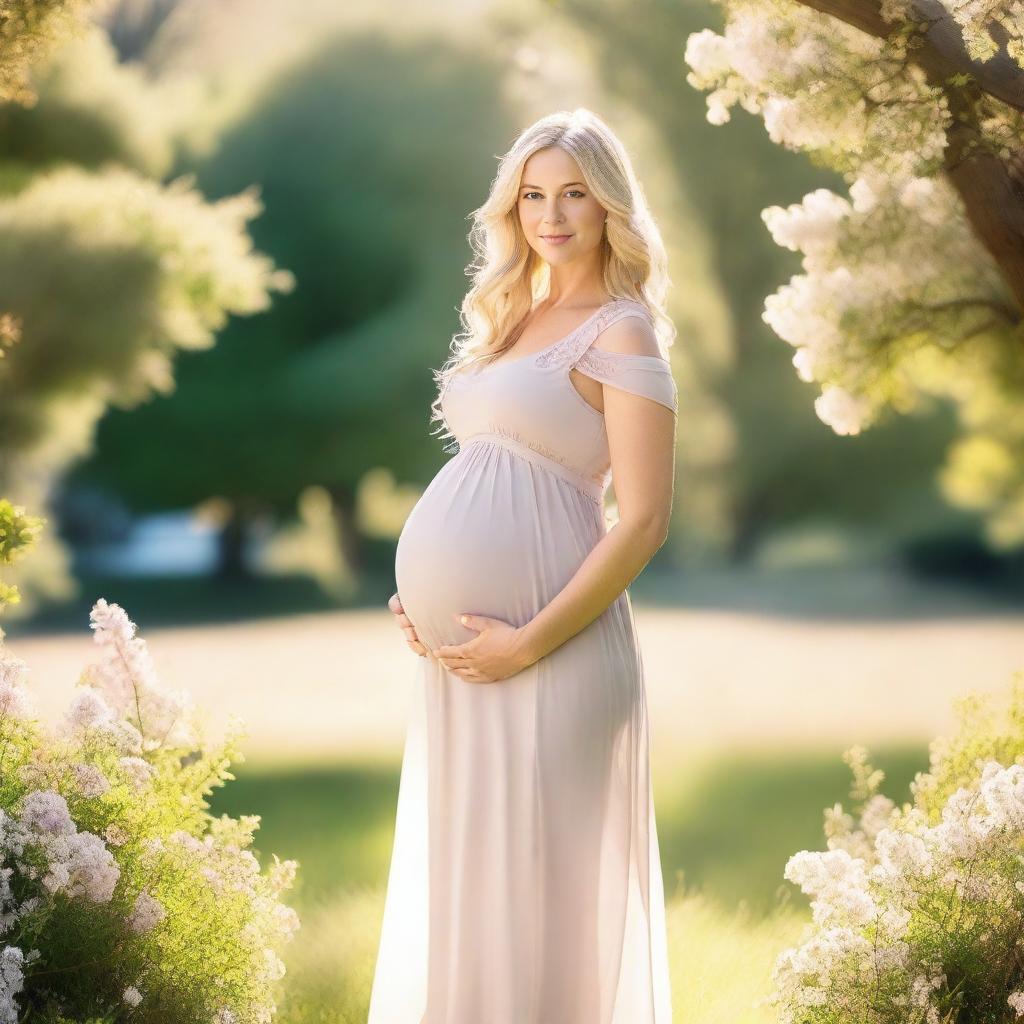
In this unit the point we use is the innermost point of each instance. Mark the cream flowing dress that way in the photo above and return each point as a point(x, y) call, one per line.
point(525, 883)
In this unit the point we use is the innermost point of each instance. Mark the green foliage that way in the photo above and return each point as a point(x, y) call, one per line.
point(129, 899)
point(368, 210)
point(910, 298)
point(106, 274)
point(17, 533)
point(91, 110)
point(143, 270)
point(28, 30)
point(917, 909)
point(986, 732)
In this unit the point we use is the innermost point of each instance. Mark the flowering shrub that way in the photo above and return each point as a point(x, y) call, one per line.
point(909, 292)
point(917, 910)
point(121, 897)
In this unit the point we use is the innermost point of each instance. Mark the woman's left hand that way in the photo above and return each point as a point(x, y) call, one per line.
point(495, 653)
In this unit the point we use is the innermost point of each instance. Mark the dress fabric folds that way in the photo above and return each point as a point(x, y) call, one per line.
point(525, 882)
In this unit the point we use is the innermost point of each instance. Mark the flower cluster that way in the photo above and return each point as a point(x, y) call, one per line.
point(118, 887)
point(126, 678)
point(873, 264)
point(899, 302)
point(977, 17)
point(76, 863)
point(916, 910)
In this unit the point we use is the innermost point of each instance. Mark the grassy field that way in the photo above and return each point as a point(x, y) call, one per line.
point(726, 826)
point(755, 687)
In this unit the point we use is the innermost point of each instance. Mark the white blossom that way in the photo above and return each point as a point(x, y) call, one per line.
point(12, 669)
point(132, 996)
point(843, 412)
point(90, 780)
point(127, 679)
point(15, 702)
point(88, 709)
point(923, 987)
point(838, 884)
point(273, 965)
point(901, 854)
point(12, 981)
point(77, 863)
point(900, 301)
point(47, 813)
point(89, 714)
point(138, 770)
point(809, 225)
point(976, 17)
point(1002, 793)
point(81, 865)
point(115, 835)
point(146, 913)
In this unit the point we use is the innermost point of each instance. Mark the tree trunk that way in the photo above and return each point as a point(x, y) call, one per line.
point(350, 540)
point(232, 546)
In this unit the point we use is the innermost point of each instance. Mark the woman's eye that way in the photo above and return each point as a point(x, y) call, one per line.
point(572, 191)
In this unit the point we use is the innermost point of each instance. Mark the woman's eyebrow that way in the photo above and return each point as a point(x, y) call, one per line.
point(566, 185)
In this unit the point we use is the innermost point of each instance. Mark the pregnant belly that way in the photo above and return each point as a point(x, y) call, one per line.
point(491, 535)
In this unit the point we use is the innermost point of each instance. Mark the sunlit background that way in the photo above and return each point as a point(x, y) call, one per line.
point(234, 235)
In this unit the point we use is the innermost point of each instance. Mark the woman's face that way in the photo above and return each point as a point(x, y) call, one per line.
point(561, 220)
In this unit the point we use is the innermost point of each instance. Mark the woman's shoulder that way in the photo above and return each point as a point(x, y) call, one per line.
point(629, 330)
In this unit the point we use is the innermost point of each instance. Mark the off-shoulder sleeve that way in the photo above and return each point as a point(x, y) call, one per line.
point(650, 376)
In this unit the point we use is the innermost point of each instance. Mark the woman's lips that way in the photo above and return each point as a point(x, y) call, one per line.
point(556, 239)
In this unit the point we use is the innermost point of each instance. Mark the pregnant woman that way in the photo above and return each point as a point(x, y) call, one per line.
point(525, 884)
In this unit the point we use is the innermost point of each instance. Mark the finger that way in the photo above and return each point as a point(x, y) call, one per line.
point(410, 632)
point(450, 651)
point(470, 675)
point(395, 603)
point(417, 648)
point(456, 669)
point(456, 662)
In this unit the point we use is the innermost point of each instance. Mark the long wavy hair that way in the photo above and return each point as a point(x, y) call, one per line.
point(509, 278)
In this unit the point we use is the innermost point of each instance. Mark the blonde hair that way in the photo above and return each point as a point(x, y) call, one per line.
point(509, 278)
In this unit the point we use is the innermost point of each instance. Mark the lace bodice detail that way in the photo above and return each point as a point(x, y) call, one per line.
point(534, 400)
point(650, 376)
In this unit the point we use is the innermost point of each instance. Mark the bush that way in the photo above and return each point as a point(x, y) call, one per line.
point(121, 896)
point(917, 910)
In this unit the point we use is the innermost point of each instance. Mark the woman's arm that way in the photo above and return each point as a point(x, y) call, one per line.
point(641, 440)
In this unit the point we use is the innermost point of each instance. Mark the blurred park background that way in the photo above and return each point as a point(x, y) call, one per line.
point(232, 247)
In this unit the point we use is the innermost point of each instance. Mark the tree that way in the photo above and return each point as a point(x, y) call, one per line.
point(914, 285)
point(336, 380)
point(29, 31)
point(106, 273)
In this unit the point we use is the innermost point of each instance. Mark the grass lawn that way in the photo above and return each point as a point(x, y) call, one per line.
point(750, 709)
point(726, 828)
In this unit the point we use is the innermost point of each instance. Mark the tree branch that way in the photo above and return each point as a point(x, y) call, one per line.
point(943, 53)
point(992, 190)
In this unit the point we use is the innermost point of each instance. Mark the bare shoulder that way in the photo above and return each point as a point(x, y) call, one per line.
point(632, 334)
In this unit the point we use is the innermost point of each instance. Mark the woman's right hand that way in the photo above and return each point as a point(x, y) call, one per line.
point(415, 645)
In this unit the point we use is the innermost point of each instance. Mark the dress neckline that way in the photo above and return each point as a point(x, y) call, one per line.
point(558, 341)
